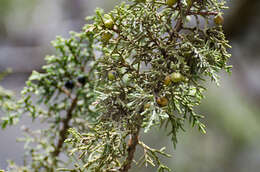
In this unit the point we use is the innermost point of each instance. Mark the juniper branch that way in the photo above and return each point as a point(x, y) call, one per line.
point(66, 126)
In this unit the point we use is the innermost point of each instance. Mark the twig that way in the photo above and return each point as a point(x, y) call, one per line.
point(131, 150)
point(179, 22)
point(202, 13)
point(63, 131)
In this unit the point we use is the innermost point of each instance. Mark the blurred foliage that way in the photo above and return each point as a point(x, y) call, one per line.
point(7, 102)
point(62, 95)
point(4, 7)
point(7, 12)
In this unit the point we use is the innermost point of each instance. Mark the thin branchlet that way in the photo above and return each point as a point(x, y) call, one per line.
point(65, 126)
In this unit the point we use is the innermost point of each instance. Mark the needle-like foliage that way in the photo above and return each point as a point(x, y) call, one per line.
point(142, 65)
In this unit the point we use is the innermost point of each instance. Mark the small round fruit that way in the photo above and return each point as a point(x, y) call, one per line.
point(109, 23)
point(162, 101)
point(187, 19)
point(106, 36)
point(82, 79)
point(147, 106)
point(167, 80)
point(111, 75)
point(171, 2)
point(185, 79)
point(189, 3)
point(176, 77)
point(219, 20)
point(69, 84)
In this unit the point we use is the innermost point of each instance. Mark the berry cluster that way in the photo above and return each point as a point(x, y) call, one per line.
point(70, 84)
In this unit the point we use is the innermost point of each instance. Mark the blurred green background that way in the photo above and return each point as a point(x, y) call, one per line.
point(232, 111)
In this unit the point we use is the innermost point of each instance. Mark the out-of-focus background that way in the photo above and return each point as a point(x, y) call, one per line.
point(232, 111)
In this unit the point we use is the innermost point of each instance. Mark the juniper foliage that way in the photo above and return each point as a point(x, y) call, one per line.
point(139, 66)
